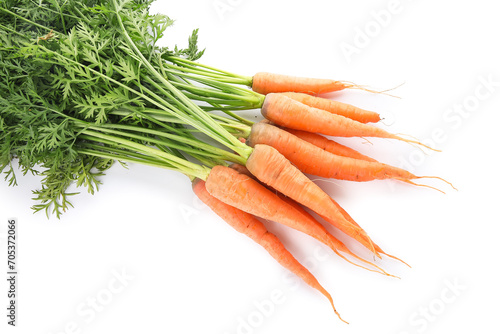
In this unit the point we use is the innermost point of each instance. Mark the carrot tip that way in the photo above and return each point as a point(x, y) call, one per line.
point(336, 312)
point(352, 85)
point(394, 276)
point(395, 258)
point(417, 184)
point(414, 141)
point(439, 178)
point(347, 251)
point(338, 315)
point(366, 140)
point(372, 247)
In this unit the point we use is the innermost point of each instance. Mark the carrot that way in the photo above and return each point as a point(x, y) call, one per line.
point(335, 107)
point(289, 113)
point(377, 248)
point(311, 159)
point(242, 170)
point(265, 83)
point(337, 244)
point(250, 226)
point(246, 194)
point(338, 149)
point(329, 145)
point(272, 168)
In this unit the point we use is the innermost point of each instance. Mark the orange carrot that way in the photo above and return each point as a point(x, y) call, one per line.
point(337, 244)
point(272, 168)
point(335, 107)
point(265, 83)
point(250, 226)
point(242, 170)
point(329, 145)
point(246, 194)
point(377, 247)
point(338, 149)
point(313, 160)
point(289, 113)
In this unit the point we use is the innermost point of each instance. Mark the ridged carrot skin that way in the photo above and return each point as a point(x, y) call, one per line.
point(313, 160)
point(265, 83)
point(253, 228)
point(273, 169)
point(248, 195)
point(335, 107)
point(337, 244)
point(289, 113)
point(329, 145)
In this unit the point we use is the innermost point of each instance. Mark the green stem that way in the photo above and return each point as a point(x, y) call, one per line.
point(220, 78)
point(155, 99)
point(26, 20)
point(207, 129)
point(61, 15)
point(157, 117)
point(239, 147)
point(119, 154)
point(248, 80)
point(201, 148)
point(251, 97)
point(124, 158)
point(176, 163)
point(205, 92)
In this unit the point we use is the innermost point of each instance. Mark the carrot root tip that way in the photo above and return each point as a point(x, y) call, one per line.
point(394, 276)
point(379, 270)
point(396, 258)
point(352, 85)
point(336, 312)
point(424, 185)
point(338, 315)
point(414, 142)
point(418, 184)
point(366, 141)
point(439, 178)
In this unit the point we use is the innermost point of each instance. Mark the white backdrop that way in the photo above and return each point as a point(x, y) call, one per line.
point(143, 255)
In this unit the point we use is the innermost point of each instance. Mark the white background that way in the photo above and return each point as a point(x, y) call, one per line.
point(186, 271)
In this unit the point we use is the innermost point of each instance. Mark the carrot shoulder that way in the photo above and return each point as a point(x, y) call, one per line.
point(253, 228)
point(335, 107)
point(273, 169)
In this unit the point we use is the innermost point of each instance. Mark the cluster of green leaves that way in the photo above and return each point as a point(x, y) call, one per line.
point(83, 83)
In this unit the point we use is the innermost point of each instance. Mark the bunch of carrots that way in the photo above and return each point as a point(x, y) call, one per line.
point(84, 85)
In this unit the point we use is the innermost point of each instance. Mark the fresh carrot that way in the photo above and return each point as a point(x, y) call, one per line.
point(337, 244)
point(329, 145)
point(265, 83)
point(377, 247)
point(313, 160)
point(289, 113)
point(253, 228)
point(272, 168)
point(335, 107)
point(339, 149)
point(246, 194)
point(243, 170)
